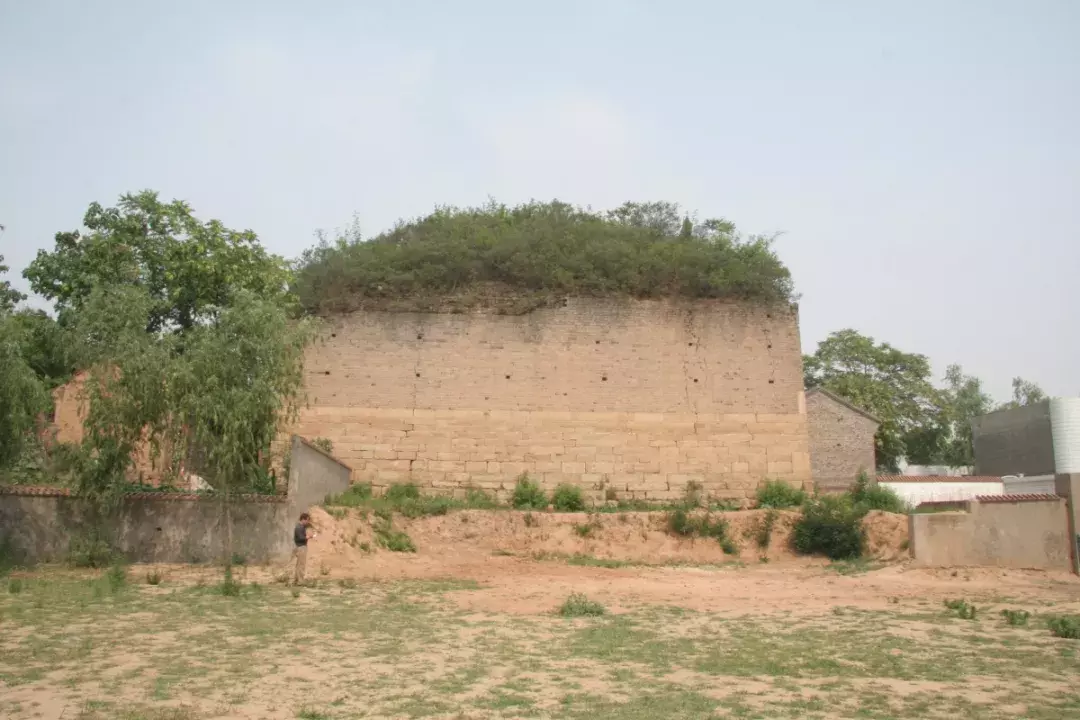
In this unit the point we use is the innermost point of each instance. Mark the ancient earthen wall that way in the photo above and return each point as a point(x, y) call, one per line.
point(642, 397)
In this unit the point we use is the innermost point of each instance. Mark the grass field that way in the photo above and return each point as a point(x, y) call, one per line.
point(84, 647)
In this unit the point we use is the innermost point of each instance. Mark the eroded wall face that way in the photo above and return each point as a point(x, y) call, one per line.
point(642, 397)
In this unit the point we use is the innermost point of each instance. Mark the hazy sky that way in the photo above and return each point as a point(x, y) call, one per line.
point(921, 158)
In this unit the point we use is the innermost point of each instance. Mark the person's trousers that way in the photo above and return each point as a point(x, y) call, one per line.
point(300, 553)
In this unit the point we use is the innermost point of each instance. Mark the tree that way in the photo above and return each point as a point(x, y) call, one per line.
point(1025, 392)
point(9, 296)
point(964, 400)
point(22, 396)
point(189, 269)
point(891, 384)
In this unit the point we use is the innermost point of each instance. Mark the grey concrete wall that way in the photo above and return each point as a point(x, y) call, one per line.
point(176, 528)
point(1014, 442)
point(1031, 534)
point(313, 474)
point(841, 442)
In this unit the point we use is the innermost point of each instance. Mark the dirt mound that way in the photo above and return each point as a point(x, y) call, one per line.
point(886, 535)
point(347, 543)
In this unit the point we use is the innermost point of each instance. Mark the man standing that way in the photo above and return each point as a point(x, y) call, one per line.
point(301, 534)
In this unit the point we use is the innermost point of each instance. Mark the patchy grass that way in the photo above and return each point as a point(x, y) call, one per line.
point(179, 651)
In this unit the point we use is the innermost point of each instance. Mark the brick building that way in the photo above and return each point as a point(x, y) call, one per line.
point(841, 439)
point(639, 397)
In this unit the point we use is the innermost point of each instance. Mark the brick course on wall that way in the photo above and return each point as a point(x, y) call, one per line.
point(841, 441)
point(640, 396)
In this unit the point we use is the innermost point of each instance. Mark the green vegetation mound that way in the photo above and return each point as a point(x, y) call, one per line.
point(537, 252)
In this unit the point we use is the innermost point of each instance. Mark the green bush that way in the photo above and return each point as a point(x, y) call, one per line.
point(568, 498)
point(683, 524)
point(831, 526)
point(546, 249)
point(391, 539)
point(578, 605)
point(153, 578)
point(779, 494)
point(398, 493)
point(1065, 626)
point(528, 495)
point(354, 496)
point(90, 550)
point(117, 576)
point(1016, 618)
point(962, 608)
point(868, 496)
point(476, 499)
point(230, 586)
point(15, 586)
point(763, 531)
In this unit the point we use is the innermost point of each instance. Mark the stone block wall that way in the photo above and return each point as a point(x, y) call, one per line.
point(841, 441)
point(641, 396)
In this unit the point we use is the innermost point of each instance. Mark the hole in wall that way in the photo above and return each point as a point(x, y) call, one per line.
point(597, 342)
point(507, 377)
point(769, 346)
point(333, 334)
point(695, 379)
point(604, 378)
point(771, 382)
point(689, 344)
point(768, 315)
point(417, 374)
point(326, 372)
point(419, 336)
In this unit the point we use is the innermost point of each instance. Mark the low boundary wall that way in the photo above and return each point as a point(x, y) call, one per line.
point(40, 522)
point(1018, 531)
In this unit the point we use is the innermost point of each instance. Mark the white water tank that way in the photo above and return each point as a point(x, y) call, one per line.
point(1065, 424)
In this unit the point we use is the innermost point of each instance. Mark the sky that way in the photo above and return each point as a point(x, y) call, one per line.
point(920, 159)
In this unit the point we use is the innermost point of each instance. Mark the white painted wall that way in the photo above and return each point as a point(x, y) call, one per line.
point(1020, 485)
point(914, 493)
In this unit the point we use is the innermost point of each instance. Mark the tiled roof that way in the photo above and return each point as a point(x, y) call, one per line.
point(938, 478)
point(1022, 497)
point(46, 491)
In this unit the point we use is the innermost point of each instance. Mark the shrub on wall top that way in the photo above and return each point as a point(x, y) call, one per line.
point(639, 249)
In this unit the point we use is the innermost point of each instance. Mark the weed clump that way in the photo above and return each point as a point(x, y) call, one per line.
point(391, 539)
point(869, 496)
point(578, 605)
point(15, 586)
point(962, 608)
point(90, 550)
point(568, 498)
point(117, 576)
point(778, 494)
point(830, 526)
point(1065, 626)
point(153, 578)
point(763, 531)
point(528, 495)
point(355, 496)
point(683, 524)
point(230, 586)
point(1016, 618)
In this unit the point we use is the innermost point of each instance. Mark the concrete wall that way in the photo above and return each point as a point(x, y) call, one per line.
point(151, 527)
point(1014, 442)
point(1019, 534)
point(841, 441)
point(645, 396)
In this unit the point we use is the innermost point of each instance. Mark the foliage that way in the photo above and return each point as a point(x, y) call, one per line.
point(1016, 618)
point(22, 395)
point(568, 498)
point(9, 296)
point(891, 384)
point(324, 444)
point(682, 523)
point(869, 495)
point(389, 538)
point(962, 608)
point(1025, 392)
point(400, 492)
point(578, 605)
point(153, 577)
point(189, 269)
point(407, 500)
point(779, 494)
point(116, 575)
point(528, 495)
point(357, 495)
point(763, 531)
point(831, 526)
point(46, 346)
point(1065, 626)
point(89, 549)
point(963, 401)
point(638, 249)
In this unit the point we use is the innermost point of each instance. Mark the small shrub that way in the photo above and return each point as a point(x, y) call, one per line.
point(831, 526)
point(530, 520)
point(7, 554)
point(777, 494)
point(400, 492)
point(324, 444)
point(90, 550)
point(347, 583)
point(763, 532)
point(296, 592)
point(416, 507)
point(692, 495)
point(679, 523)
point(391, 539)
point(578, 605)
point(230, 586)
point(528, 495)
point(610, 495)
point(116, 576)
point(584, 530)
point(338, 513)
point(15, 586)
point(568, 498)
point(153, 578)
point(1065, 626)
point(870, 496)
point(728, 546)
point(354, 496)
point(1016, 618)
point(238, 559)
point(365, 547)
point(477, 499)
point(963, 610)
